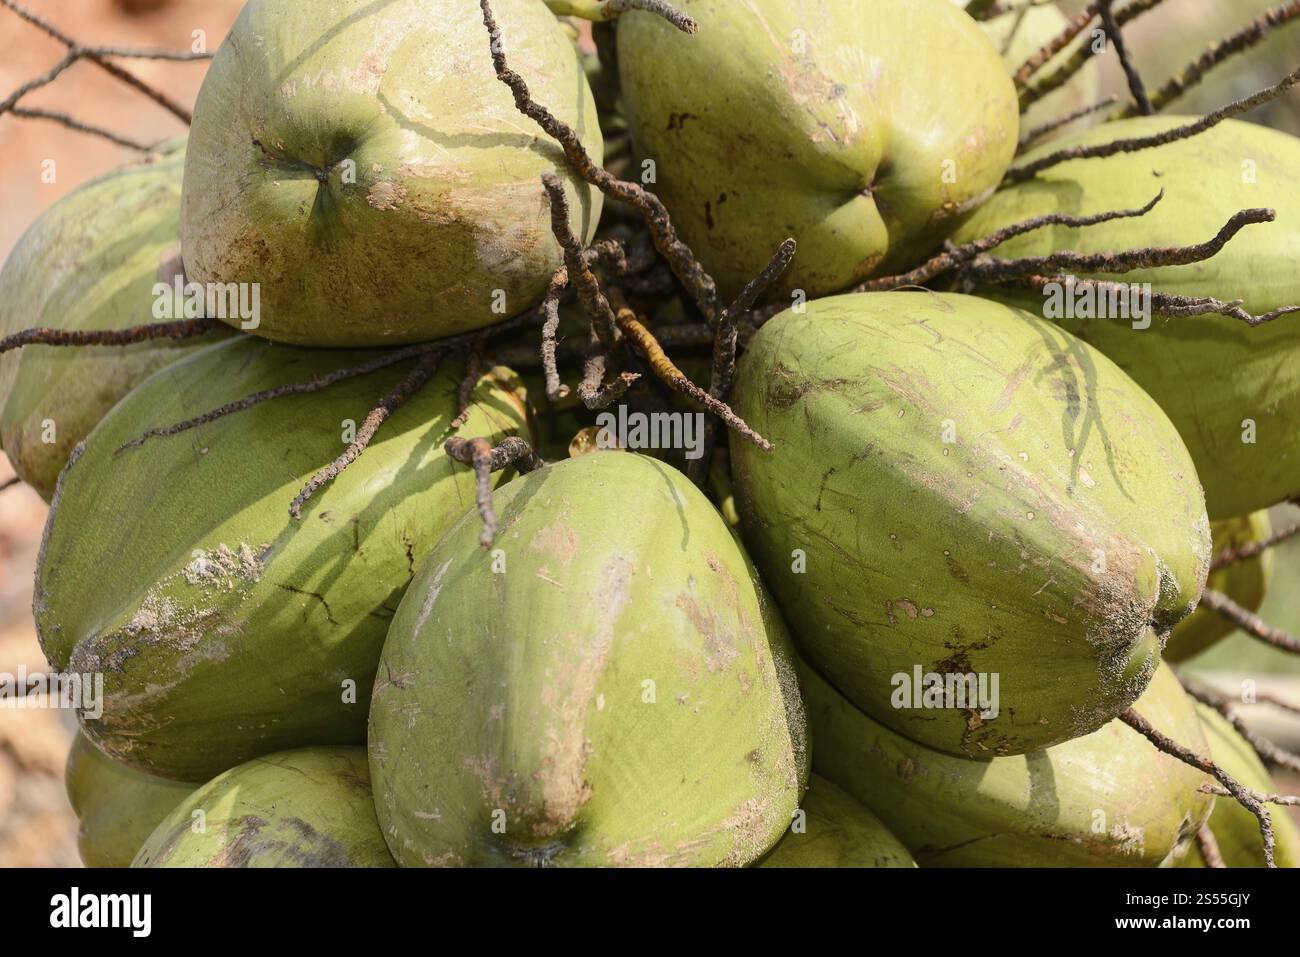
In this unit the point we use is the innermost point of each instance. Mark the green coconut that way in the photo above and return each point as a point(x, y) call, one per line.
point(959, 488)
point(835, 830)
point(1233, 391)
point(223, 628)
point(117, 807)
point(1108, 799)
point(860, 127)
point(1235, 829)
point(90, 262)
point(310, 807)
point(1245, 582)
point(363, 165)
point(608, 686)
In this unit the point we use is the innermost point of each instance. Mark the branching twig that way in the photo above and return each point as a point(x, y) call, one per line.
point(1082, 54)
point(1220, 702)
point(1244, 795)
point(1054, 46)
point(956, 256)
point(1115, 34)
point(1018, 174)
point(1242, 40)
point(485, 459)
point(685, 265)
point(98, 56)
point(987, 268)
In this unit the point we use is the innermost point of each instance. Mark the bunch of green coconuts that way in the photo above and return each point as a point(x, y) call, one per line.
point(641, 671)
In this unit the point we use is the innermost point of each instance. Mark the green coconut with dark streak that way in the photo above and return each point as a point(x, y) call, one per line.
point(835, 830)
point(959, 488)
point(609, 686)
point(829, 122)
point(117, 807)
point(1245, 582)
point(1233, 391)
point(310, 807)
point(225, 629)
point(363, 164)
point(89, 263)
point(1236, 830)
point(1108, 799)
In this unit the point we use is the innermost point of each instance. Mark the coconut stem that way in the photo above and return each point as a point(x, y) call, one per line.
point(1249, 550)
point(1249, 622)
point(485, 459)
point(1044, 54)
point(1248, 798)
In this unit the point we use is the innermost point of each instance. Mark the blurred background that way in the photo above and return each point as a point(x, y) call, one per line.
point(36, 825)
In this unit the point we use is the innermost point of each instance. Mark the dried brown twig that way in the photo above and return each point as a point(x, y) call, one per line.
point(1038, 133)
point(1249, 622)
point(1054, 46)
point(100, 56)
point(180, 329)
point(1249, 550)
point(486, 459)
point(1115, 35)
point(1208, 845)
point(1225, 706)
point(690, 273)
point(1018, 174)
point(1249, 36)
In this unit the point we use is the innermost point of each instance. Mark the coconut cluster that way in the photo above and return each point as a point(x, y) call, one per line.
point(833, 522)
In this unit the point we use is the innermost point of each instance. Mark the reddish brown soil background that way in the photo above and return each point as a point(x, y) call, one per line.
point(36, 825)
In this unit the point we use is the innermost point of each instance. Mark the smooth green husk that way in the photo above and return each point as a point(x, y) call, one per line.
point(962, 488)
point(396, 192)
point(223, 628)
point(1217, 378)
point(838, 832)
point(618, 692)
point(1108, 799)
point(828, 122)
point(89, 262)
point(1245, 582)
point(117, 807)
point(310, 807)
point(1235, 829)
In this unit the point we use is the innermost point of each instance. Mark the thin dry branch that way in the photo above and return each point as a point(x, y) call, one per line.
point(1208, 845)
point(410, 384)
point(1080, 57)
point(43, 336)
point(1225, 706)
point(1115, 34)
point(993, 269)
point(1044, 54)
point(1249, 622)
point(955, 256)
point(1031, 138)
point(1248, 798)
point(1018, 174)
point(1249, 550)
